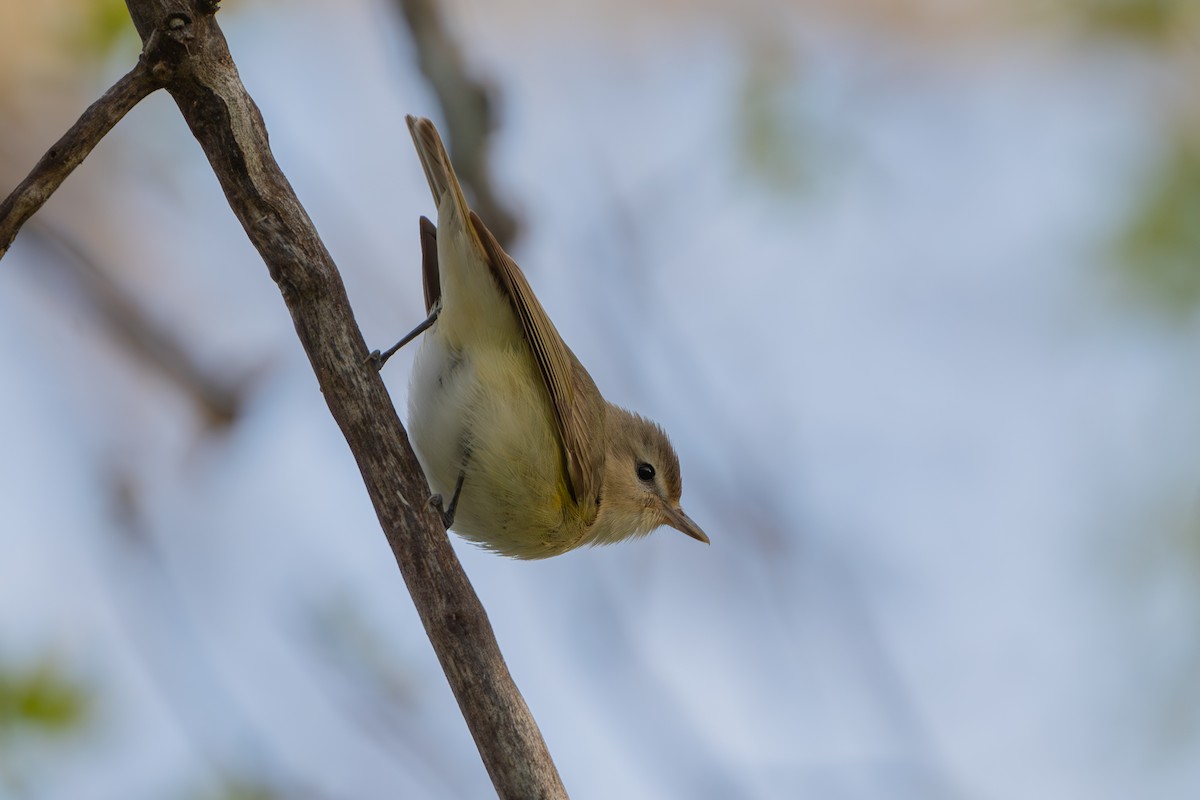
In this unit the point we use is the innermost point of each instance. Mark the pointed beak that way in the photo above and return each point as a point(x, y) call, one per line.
point(683, 523)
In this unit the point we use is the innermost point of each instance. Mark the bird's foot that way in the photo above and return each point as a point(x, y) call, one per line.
point(447, 512)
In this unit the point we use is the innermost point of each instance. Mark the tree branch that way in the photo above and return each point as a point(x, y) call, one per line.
point(69, 151)
point(227, 124)
point(185, 51)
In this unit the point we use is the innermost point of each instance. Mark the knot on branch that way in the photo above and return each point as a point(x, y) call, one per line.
point(164, 53)
point(170, 43)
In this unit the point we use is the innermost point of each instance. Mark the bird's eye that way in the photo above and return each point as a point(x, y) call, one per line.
point(645, 471)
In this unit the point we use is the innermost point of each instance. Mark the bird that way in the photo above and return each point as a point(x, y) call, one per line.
point(504, 418)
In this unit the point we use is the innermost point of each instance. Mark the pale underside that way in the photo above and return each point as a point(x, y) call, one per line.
point(515, 498)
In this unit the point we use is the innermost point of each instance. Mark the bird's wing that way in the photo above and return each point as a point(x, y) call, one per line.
point(576, 402)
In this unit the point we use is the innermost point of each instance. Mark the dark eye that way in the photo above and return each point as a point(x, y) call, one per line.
point(645, 472)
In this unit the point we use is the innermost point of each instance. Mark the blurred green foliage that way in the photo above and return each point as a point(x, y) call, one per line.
point(1160, 248)
point(101, 29)
point(41, 698)
point(1143, 19)
point(240, 788)
point(773, 139)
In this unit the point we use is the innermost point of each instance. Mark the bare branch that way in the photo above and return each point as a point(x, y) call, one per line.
point(192, 54)
point(69, 151)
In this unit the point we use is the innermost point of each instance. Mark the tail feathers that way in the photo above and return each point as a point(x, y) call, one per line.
point(436, 164)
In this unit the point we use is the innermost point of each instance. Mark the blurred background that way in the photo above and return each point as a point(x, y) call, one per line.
point(913, 284)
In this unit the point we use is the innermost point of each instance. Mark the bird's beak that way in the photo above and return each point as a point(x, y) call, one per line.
point(683, 523)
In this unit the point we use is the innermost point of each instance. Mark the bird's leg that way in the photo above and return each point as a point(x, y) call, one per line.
point(433, 292)
point(379, 359)
point(447, 513)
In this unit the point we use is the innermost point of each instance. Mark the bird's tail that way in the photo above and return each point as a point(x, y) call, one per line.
point(438, 170)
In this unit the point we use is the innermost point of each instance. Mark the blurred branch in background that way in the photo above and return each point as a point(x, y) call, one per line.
point(466, 108)
point(217, 398)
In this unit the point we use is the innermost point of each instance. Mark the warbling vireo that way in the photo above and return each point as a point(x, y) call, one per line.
point(504, 416)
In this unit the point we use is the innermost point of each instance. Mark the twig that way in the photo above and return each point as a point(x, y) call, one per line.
point(204, 82)
point(69, 151)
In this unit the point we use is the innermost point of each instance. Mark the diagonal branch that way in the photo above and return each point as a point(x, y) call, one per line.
point(201, 77)
point(69, 151)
